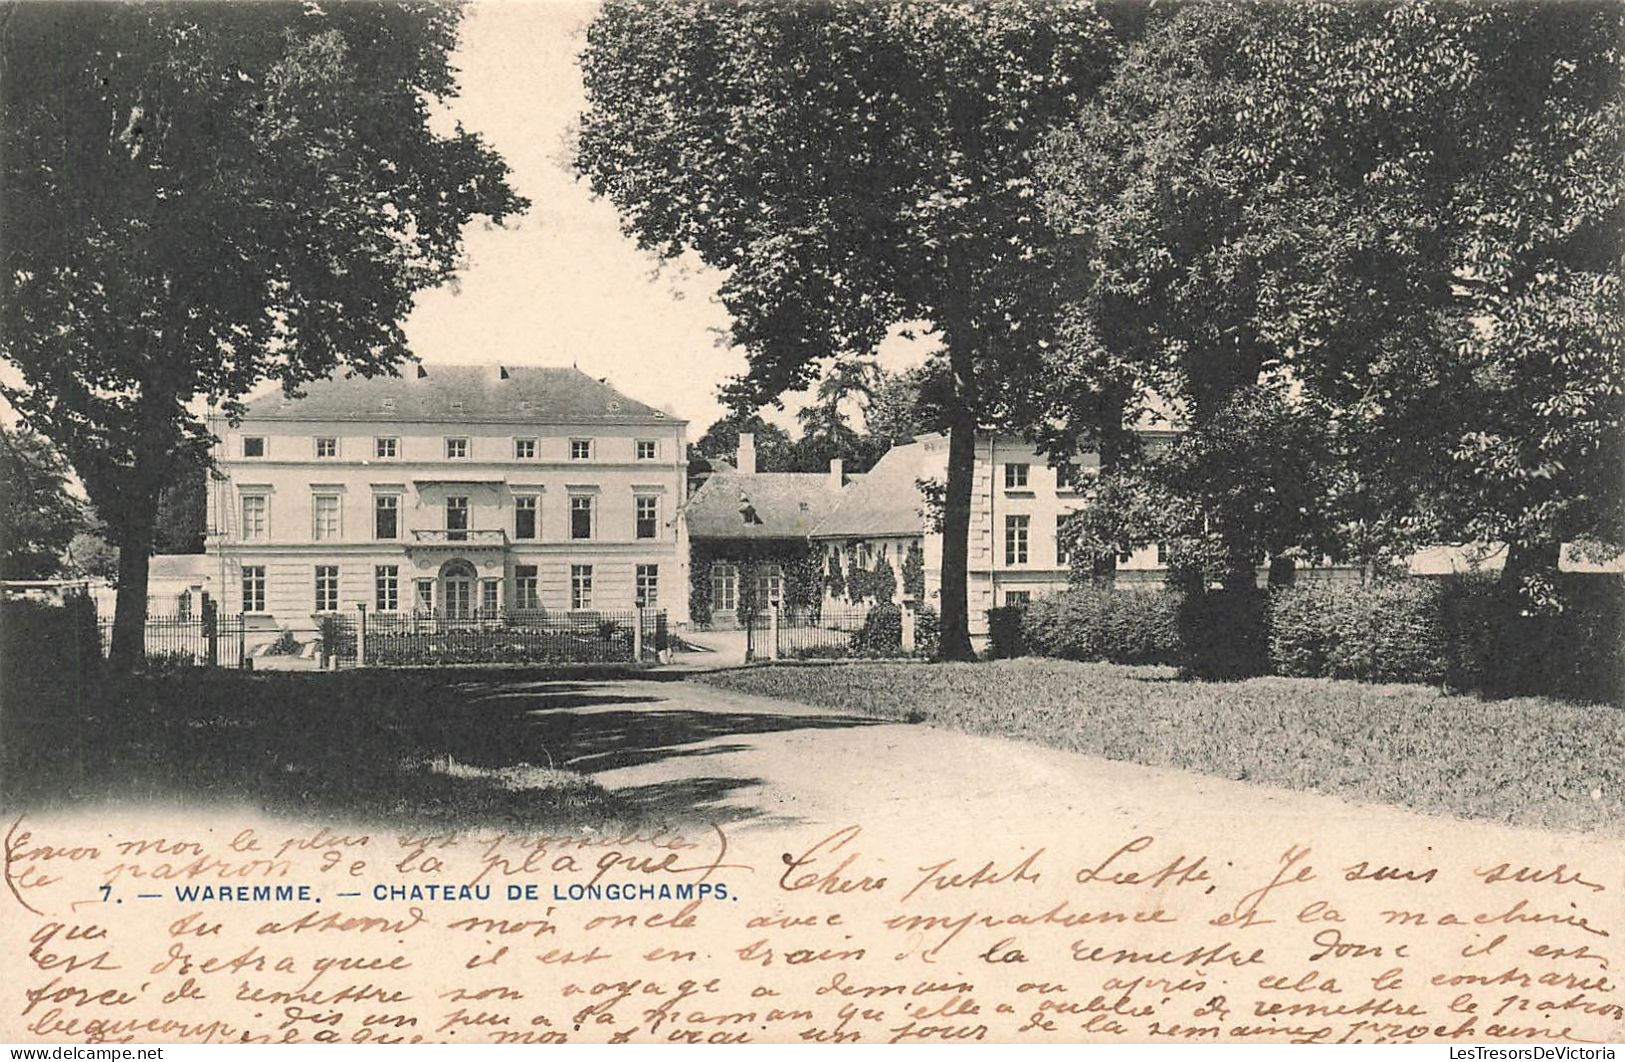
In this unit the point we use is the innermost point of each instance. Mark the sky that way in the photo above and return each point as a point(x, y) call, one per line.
point(561, 285)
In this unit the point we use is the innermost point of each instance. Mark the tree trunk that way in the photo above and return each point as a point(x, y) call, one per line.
point(954, 642)
point(1526, 560)
point(1283, 572)
point(961, 339)
point(130, 612)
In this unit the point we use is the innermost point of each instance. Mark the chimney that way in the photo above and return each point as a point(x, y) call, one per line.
point(747, 454)
point(837, 474)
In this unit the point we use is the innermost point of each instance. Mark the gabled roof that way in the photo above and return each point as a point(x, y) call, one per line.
point(760, 505)
point(887, 500)
point(462, 394)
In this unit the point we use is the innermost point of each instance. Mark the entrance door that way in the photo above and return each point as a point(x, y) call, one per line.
point(459, 596)
point(457, 582)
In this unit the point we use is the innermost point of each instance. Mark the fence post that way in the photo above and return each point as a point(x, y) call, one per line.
point(361, 634)
point(637, 636)
point(908, 624)
point(211, 632)
point(772, 631)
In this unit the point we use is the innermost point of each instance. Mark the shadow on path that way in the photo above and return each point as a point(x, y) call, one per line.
point(429, 749)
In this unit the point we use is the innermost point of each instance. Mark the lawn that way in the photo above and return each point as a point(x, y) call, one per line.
point(413, 748)
point(1526, 761)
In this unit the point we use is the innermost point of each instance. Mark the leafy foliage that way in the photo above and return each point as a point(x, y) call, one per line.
point(38, 516)
point(1377, 245)
point(296, 151)
point(914, 572)
point(850, 167)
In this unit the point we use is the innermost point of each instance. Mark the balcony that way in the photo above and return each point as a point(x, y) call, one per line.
point(445, 539)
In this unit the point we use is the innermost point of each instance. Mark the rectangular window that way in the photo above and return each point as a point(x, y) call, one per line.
point(1015, 477)
point(327, 446)
point(580, 586)
point(524, 449)
point(724, 587)
point(456, 449)
point(327, 588)
point(386, 516)
point(1017, 597)
point(256, 517)
point(325, 517)
point(648, 507)
point(386, 581)
point(648, 585)
point(386, 446)
point(1015, 539)
point(425, 595)
point(253, 446)
point(524, 516)
point(524, 587)
point(769, 586)
point(1163, 551)
point(488, 596)
point(580, 449)
point(1066, 476)
point(647, 450)
point(456, 518)
point(1062, 558)
point(254, 588)
point(581, 516)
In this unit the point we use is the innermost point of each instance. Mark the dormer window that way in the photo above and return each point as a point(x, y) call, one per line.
point(327, 446)
point(253, 446)
point(456, 449)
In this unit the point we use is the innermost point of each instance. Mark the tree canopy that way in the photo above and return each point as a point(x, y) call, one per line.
point(38, 515)
point(850, 166)
point(1384, 235)
point(202, 197)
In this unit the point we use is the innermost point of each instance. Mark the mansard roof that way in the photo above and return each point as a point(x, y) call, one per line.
point(463, 394)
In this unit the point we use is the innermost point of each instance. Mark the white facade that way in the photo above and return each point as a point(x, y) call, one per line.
point(320, 516)
point(1018, 503)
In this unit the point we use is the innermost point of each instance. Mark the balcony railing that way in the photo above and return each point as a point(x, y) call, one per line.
point(461, 538)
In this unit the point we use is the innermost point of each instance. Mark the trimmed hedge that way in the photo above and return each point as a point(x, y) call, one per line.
point(45, 645)
point(1115, 626)
point(1391, 632)
point(1467, 633)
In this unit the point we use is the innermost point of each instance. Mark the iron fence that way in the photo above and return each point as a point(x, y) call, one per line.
point(200, 639)
point(863, 631)
point(408, 639)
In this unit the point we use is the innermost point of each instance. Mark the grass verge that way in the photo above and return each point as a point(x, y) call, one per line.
point(1523, 761)
point(413, 748)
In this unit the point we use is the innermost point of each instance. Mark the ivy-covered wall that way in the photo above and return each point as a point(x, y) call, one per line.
point(876, 571)
point(799, 560)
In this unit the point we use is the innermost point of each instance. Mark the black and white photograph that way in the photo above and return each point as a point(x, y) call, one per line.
point(813, 521)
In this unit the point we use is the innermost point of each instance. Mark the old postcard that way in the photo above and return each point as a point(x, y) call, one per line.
point(682, 521)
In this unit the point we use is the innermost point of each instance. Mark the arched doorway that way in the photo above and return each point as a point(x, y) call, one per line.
point(457, 580)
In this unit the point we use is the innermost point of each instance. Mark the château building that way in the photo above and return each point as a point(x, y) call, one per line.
point(459, 490)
